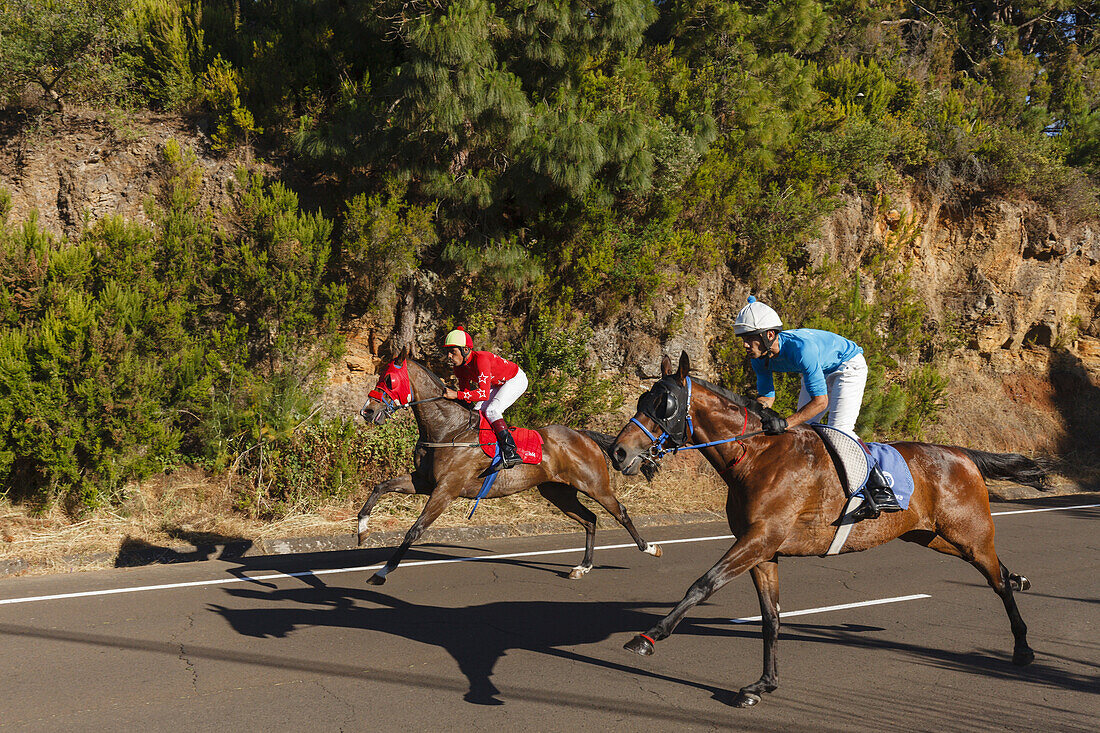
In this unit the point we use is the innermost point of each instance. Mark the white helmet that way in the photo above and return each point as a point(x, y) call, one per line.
point(756, 318)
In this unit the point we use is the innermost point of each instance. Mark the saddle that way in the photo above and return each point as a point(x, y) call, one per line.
point(853, 460)
point(528, 442)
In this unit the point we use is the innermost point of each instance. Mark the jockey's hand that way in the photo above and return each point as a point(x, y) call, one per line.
point(450, 394)
point(773, 424)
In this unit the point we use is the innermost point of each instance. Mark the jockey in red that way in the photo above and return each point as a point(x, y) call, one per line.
point(488, 381)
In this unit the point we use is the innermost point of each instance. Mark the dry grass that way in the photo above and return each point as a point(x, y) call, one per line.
point(187, 507)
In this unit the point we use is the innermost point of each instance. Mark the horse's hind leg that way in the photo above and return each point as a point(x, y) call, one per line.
point(981, 554)
point(601, 492)
point(565, 498)
point(765, 577)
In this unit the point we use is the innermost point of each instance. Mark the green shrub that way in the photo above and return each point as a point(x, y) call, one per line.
point(219, 87)
point(72, 51)
point(132, 348)
point(168, 48)
point(562, 389)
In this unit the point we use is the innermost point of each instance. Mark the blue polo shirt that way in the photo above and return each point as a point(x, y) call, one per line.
point(808, 351)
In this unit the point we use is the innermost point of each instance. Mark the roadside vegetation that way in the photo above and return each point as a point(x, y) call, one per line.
point(527, 169)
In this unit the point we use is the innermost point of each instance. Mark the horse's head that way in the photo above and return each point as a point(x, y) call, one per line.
point(393, 391)
point(661, 421)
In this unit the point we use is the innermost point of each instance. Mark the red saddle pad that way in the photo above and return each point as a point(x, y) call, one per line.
point(528, 442)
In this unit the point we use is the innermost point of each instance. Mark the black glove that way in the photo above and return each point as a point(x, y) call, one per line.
point(773, 424)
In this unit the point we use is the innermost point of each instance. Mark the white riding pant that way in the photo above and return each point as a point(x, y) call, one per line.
point(845, 389)
point(502, 397)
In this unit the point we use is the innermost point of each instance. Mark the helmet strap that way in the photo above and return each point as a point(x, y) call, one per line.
point(768, 343)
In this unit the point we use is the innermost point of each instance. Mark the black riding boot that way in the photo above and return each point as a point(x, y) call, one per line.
point(509, 456)
point(877, 498)
point(881, 492)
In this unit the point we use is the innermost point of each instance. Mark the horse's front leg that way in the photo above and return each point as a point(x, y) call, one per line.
point(442, 496)
point(765, 577)
point(402, 484)
point(749, 551)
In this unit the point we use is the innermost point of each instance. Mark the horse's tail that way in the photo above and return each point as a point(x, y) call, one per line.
point(603, 440)
point(1011, 467)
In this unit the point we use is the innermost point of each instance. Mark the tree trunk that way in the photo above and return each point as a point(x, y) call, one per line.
point(404, 326)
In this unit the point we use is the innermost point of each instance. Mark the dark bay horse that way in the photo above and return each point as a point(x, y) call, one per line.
point(449, 464)
point(784, 495)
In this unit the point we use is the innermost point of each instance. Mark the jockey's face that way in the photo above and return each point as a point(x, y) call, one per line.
point(453, 355)
point(754, 344)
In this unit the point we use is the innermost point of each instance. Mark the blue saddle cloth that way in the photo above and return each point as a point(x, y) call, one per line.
point(895, 470)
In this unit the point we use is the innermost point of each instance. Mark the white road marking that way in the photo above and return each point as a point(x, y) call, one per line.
point(1048, 509)
point(332, 571)
point(843, 606)
point(418, 563)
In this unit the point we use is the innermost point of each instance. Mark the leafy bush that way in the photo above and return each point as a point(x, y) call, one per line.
point(562, 389)
point(70, 50)
point(113, 347)
point(168, 48)
point(219, 87)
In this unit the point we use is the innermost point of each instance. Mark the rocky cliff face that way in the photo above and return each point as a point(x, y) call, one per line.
point(1022, 287)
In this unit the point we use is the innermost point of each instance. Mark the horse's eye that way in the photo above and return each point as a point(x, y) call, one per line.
point(669, 407)
point(389, 381)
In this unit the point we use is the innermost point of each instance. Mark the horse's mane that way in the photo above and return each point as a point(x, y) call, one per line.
point(439, 382)
point(751, 405)
point(435, 377)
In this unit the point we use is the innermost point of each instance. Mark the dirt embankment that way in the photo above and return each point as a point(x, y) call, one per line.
point(1021, 287)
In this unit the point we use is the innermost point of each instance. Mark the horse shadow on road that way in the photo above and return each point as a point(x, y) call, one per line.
point(478, 636)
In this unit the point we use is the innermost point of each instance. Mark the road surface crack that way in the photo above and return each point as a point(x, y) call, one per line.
point(350, 722)
point(188, 664)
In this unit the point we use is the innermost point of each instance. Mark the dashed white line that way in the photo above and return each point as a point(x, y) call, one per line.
point(841, 607)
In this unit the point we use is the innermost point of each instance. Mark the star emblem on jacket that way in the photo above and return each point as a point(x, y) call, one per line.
point(482, 393)
point(483, 378)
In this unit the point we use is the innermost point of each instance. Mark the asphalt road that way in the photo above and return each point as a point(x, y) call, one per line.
point(510, 643)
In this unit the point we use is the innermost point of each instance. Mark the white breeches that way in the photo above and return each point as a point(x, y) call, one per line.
point(845, 387)
point(502, 397)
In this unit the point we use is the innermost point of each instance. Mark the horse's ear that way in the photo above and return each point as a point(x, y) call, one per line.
point(411, 351)
point(401, 355)
point(685, 367)
point(666, 365)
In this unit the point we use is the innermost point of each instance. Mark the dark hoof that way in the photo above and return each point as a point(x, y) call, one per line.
point(1023, 657)
point(376, 579)
point(639, 645)
point(1019, 583)
point(745, 699)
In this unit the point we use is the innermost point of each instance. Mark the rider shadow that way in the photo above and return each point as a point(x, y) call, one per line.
point(476, 637)
point(1077, 399)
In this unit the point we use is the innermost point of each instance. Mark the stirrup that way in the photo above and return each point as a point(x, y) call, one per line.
point(867, 510)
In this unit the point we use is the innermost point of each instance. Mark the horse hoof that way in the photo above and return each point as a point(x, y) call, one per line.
point(639, 645)
point(1019, 583)
point(745, 700)
point(1023, 657)
point(376, 579)
point(579, 572)
point(652, 549)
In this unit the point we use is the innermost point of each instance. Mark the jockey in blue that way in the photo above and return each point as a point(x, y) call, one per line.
point(834, 374)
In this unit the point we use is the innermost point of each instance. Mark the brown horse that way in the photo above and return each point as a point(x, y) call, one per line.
point(785, 495)
point(449, 463)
